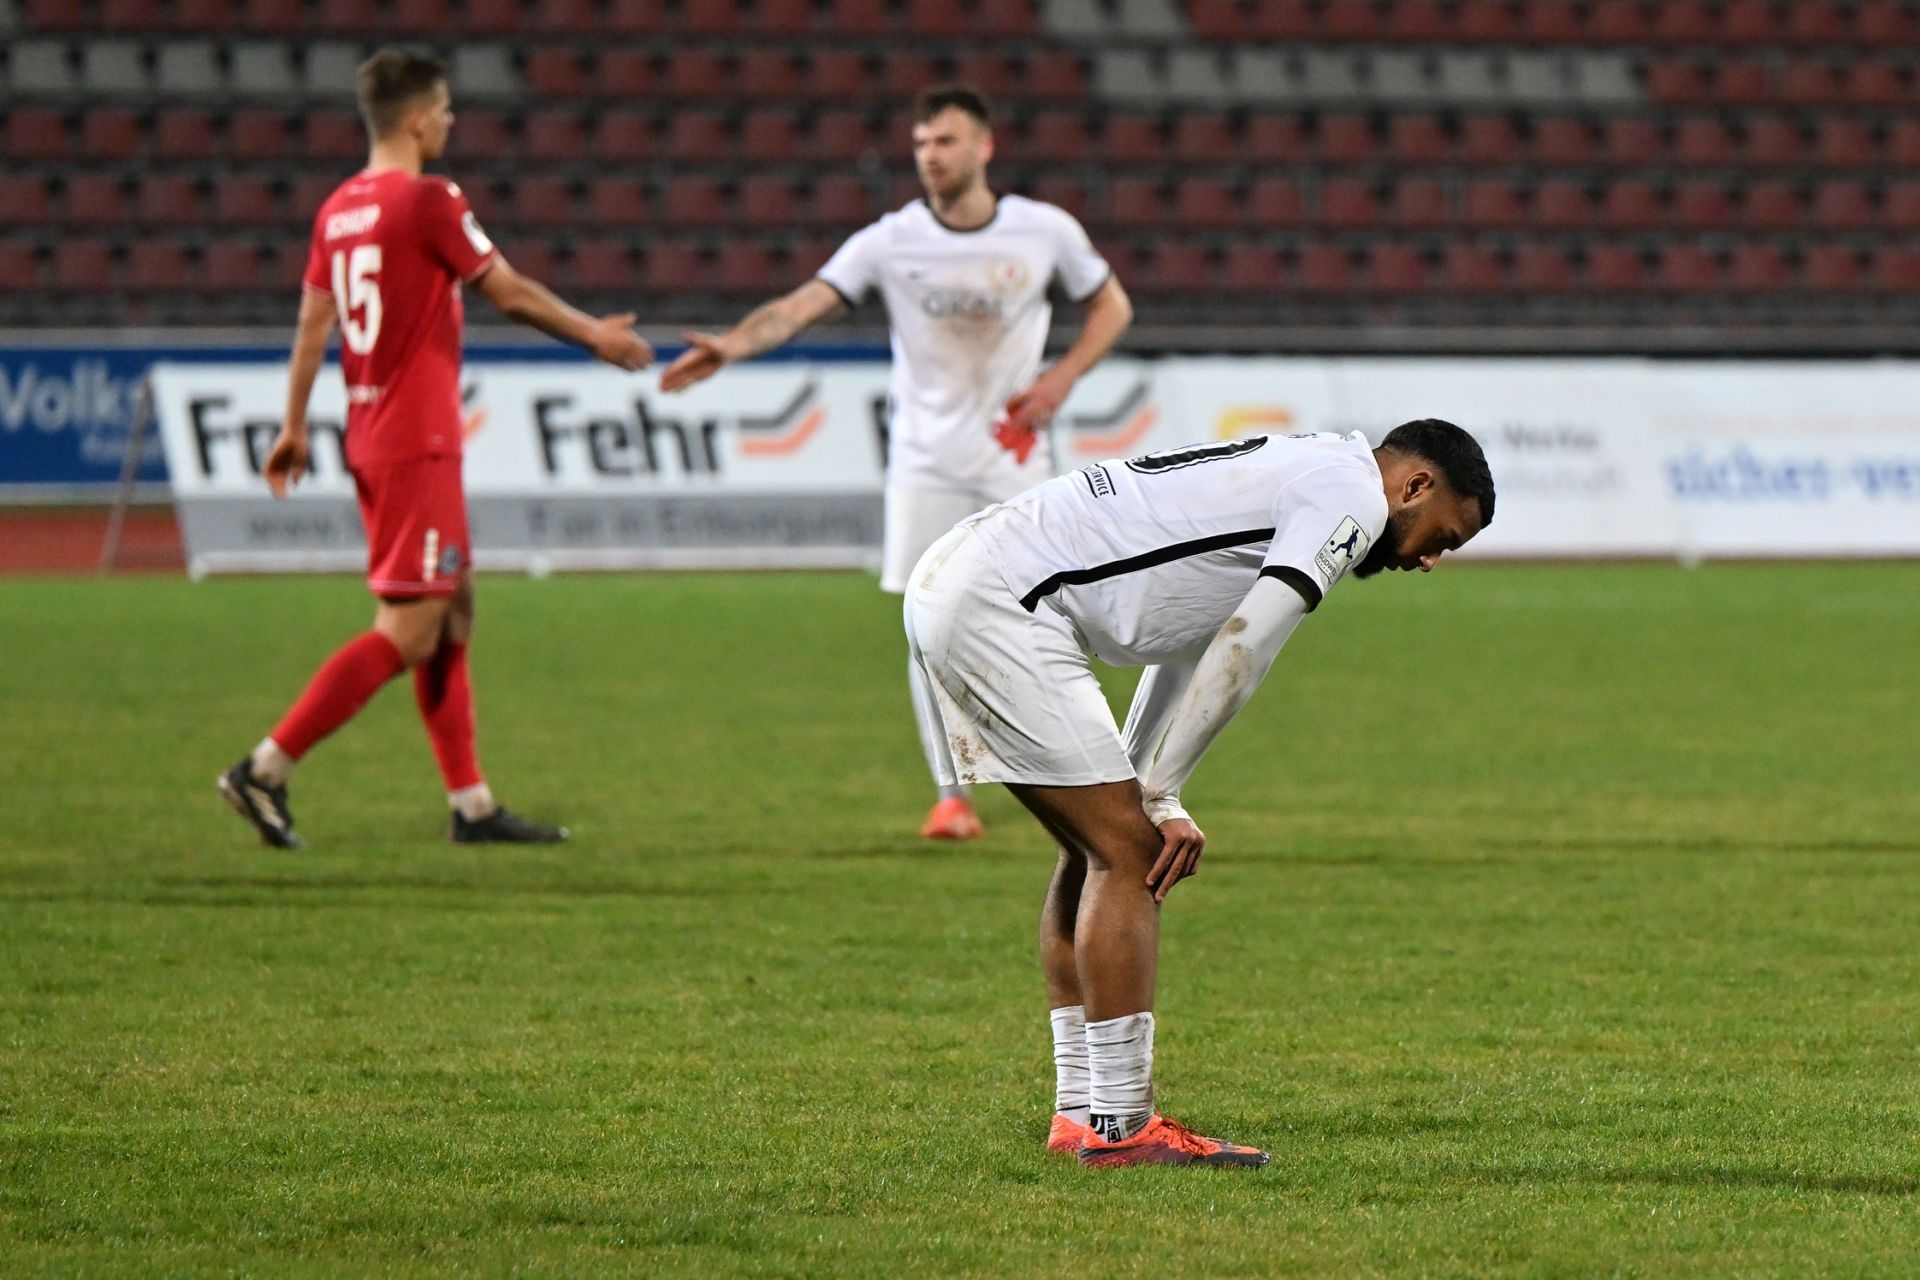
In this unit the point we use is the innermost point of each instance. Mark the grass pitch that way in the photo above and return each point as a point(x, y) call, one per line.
point(1556, 922)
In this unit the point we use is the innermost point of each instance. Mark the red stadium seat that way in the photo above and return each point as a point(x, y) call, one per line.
point(36, 133)
point(1216, 19)
point(1177, 266)
point(551, 135)
point(482, 134)
point(1065, 193)
point(1842, 206)
point(1007, 18)
point(905, 72)
point(624, 136)
point(232, 266)
point(1815, 22)
point(1485, 22)
point(672, 266)
point(1396, 268)
point(1281, 20)
point(1751, 22)
point(555, 73)
point(1703, 142)
point(1618, 22)
point(245, 200)
point(617, 201)
point(1811, 83)
point(693, 202)
point(1252, 268)
point(1134, 203)
point(484, 198)
point(1632, 141)
point(993, 73)
point(1758, 267)
point(1877, 84)
point(1615, 268)
point(1128, 138)
point(1773, 206)
point(344, 15)
point(1466, 267)
point(626, 75)
point(258, 135)
point(1056, 77)
point(1684, 22)
point(95, 200)
point(1348, 203)
point(1632, 205)
point(1324, 268)
point(697, 137)
point(55, 15)
point(333, 135)
point(1561, 142)
point(24, 201)
point(287, 265)
point(768, 200)
point(783, 17)
point(109, 133)
point(1542, 268)
point(1886, 24)
point(1894, 268)
point(1546, 22)
point(840, 200)
point(1845, 144)
point(1345, 140)
point(1744, 81)
point(1677, 82)
point(1903, 143)
point(623, 17)
point(1831, 268)
point(1417, 22)
point(1418, 140)
point(602, 265)
point(1206, 203)
point(839, 136)
point(1203, 138)
point(1493, 202)
point(1273, 139)
point(1900, 208)
point(1703, 205)
point(158, 266)
point(744, 266)
point(1420, 202)
point(492, 17)
point(1686, 267)
point(902, 190)
point(806, 257)
point(769, 136)
point(82, 266)
point(715, 18)
point(1562, 204)
point(938, 19)
point(287, 17)
point(767, 75)
point(192, 16)
point(535, 258)
point(422, 17)
point(1350, 20)
point(541, 201)
point(838, 73)
point(860, 18)
point(1276, 202)
point(1773, 140)
point(1489, 140)
point(169, 200)
point(700, 75)
point(1056, 135)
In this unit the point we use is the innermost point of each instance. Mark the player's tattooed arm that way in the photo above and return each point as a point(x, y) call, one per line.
point(287, 460)
point(766, 327)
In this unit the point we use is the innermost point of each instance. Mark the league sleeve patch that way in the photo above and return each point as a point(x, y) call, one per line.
point(1346, 548)
point(475, 236)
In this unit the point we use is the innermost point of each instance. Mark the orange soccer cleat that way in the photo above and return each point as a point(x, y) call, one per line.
point(1165, 1141)
point(1065, 1137)
point(952, 819)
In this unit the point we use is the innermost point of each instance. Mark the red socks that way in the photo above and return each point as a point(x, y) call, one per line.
point(445, 696)
point(338, 690)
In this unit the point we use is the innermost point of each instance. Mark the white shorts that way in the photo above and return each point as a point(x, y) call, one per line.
point(915, 518)
point(1016, 693)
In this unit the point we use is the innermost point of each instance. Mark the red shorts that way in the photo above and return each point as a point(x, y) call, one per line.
point(415, 512)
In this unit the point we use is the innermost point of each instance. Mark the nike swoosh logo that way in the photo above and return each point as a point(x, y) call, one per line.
point(263, 806)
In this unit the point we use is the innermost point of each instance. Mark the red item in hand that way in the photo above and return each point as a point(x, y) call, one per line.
point(1017, 439)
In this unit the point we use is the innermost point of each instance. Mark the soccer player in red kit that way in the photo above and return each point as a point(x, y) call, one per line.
point(391, 249)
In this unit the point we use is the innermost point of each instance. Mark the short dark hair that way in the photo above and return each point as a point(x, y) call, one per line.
point(390, 81)
point(932, 102)
point(1456, 453)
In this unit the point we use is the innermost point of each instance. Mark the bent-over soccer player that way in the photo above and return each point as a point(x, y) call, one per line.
point(391, 249)
point(1197, 564)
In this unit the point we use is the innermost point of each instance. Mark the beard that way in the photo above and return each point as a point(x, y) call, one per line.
point(1387, 547)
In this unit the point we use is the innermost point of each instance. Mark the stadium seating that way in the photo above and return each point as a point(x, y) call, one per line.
point(1413, 156)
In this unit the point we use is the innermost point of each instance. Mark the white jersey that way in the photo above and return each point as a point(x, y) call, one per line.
point(969, 312)
point(1148, 557)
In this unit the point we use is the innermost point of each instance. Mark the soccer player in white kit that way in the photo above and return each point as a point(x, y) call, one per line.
point(1197, 564)
point(966, 277)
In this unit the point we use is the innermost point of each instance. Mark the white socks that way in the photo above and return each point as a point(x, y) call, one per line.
point(271, 765)
point(474, 803)
point(1120, 1070)
point(1070, 1080)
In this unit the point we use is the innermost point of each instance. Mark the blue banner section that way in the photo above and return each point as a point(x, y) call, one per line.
point(66, 410)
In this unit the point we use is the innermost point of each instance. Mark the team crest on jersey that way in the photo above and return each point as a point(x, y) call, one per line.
point(1008, 275)
point(1346, 548)
point(449, 562)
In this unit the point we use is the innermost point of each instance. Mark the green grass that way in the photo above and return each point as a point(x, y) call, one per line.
point(1557, 922)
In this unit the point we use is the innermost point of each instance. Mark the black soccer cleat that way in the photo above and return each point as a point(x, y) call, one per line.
point(262, 805)
point(501, 827)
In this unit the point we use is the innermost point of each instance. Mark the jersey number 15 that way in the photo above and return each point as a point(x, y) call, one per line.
point(356, 287)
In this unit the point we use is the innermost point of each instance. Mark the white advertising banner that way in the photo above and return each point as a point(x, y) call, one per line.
point(781, 464)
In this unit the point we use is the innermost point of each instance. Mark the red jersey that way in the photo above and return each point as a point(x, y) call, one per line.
point(392, 251)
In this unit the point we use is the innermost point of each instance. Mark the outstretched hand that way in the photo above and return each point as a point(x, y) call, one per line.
point(706, 355)
point(613, 340)
point(287, 460)
point(1181, 844)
